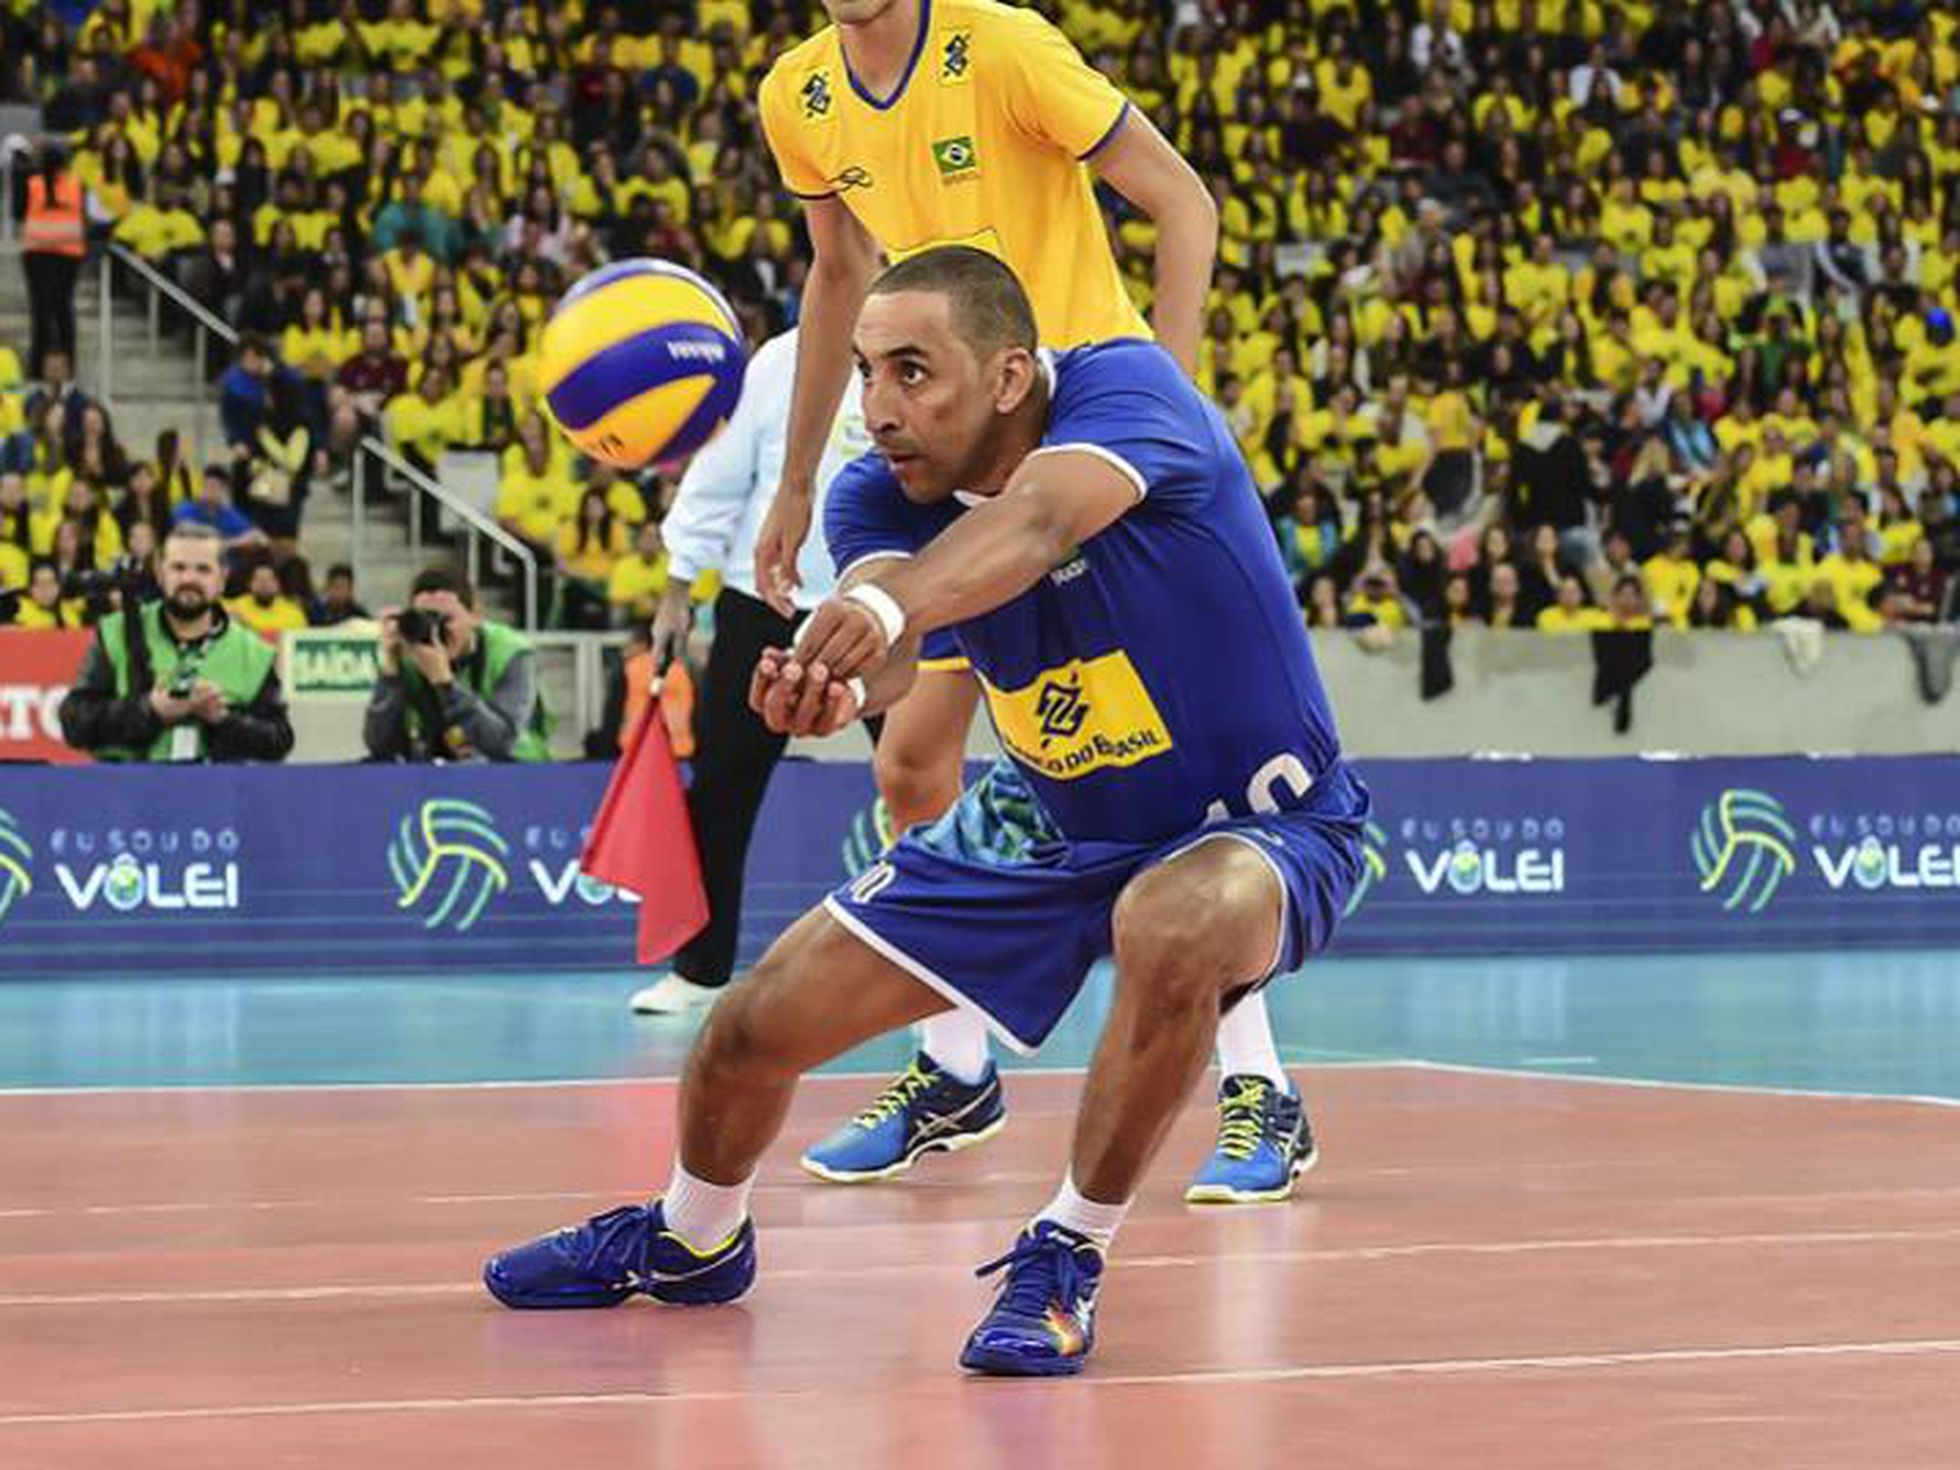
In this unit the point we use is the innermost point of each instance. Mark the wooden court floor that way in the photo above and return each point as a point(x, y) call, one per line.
point(1487, 1270)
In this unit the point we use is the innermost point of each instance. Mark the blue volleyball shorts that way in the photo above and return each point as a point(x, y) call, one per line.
point(993, 908)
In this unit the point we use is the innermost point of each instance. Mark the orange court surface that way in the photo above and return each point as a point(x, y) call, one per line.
point(247, 1231)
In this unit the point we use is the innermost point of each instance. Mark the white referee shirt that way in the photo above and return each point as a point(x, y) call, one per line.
point(730, 484)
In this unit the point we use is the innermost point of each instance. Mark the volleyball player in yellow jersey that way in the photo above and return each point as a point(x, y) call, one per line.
point(913, 123)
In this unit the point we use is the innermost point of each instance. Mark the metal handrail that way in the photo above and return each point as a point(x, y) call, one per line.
point(179, 297)
point(478, 523)
point(161, 286)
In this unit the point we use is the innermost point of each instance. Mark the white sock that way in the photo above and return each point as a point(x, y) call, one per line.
point(957, 1040)
point(1245, 1043)
point(703, 1214)
point(1087, 1217)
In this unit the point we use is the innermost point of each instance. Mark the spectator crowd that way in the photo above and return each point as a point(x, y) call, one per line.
point(1531, 313)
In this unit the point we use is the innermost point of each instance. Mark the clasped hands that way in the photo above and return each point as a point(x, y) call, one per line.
point(817, 687)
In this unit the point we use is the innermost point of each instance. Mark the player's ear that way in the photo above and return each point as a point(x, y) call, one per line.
point(1015, 372)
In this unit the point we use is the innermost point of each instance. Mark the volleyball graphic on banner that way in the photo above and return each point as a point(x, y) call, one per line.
point(448, 862)
point(1744, 847)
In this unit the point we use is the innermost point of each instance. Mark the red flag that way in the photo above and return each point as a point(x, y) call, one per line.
point(643, 842)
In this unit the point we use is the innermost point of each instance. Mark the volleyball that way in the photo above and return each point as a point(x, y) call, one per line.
point(641, 362)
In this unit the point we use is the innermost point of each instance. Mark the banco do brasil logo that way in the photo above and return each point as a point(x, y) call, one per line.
point(1060, 710)
point(1744, 847)
point(447, 861)
point(16, 864)
point(1374, 866)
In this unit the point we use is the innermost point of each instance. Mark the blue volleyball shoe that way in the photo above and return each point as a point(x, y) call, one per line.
point(926, 1110)
point(1043, 1321)
point(1264, 1144)
point(621, 1253)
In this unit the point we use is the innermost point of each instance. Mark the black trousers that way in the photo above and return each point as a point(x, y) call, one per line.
point(735, 753)
point(51, 307)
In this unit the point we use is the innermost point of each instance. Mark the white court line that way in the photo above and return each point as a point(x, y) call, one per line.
point(1640, 1358)
point(1579, 1061)
point(1409, 1251)
point(999, 1179)
point(367, 1202)
point(519, 1084)
point(1472, 1069)
point(1769, 1352)
point(1742, 1089)
point(1356, 1063)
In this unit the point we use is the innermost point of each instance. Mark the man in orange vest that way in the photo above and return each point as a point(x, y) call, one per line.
point(52, 242)
point(676, 695)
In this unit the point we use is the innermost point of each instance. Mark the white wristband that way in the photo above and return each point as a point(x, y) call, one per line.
point(882, 606)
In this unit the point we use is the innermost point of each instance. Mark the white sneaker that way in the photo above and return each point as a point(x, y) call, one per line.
point(672, 995)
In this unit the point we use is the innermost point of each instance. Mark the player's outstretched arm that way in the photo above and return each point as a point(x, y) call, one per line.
point(1054, 502)
point(845, 260)
point(1142, 166)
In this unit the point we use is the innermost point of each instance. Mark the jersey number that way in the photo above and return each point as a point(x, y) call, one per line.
point(873, 881)
point(1284, 772)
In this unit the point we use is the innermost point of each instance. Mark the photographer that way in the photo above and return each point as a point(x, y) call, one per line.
point(192, 686)
point(454, 685)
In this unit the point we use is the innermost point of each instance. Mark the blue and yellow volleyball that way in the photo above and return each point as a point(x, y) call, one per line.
point(641, 362)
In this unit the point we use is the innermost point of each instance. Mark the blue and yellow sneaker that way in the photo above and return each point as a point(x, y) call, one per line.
point(615, 1255)
point(926, 1110)
point(1043, 1322)
point(1264, 1144)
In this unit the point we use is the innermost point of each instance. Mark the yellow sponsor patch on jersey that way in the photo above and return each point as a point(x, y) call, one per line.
point(1086, 715)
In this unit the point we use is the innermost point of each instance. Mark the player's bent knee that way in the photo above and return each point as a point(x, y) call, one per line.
point(735, 1037)
point(1199, 925)
point(751, 1027)
point(818, 992)
point(1156, 952)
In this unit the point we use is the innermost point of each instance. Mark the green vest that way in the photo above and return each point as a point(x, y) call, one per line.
point(237, 661)
point(499, 644)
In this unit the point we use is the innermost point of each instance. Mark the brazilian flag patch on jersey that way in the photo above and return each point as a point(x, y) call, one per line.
point(956, 157)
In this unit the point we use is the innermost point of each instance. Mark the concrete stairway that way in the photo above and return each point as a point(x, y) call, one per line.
point(154, 385)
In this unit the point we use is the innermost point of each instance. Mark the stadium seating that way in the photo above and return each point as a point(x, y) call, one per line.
point(1603, 291)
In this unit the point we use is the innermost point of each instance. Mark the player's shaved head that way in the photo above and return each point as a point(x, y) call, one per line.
point(990, 310)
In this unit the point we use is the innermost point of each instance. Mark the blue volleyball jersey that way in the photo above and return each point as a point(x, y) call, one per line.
point(1161, 676)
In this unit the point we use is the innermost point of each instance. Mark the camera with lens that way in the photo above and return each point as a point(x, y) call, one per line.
point(122, 579)
point(418, 625)
point(183, 684)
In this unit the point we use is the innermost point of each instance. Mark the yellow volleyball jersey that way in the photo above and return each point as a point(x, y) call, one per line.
point(982, 143)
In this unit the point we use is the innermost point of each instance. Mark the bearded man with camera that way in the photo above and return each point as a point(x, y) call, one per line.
point(175, 678)
point(453, 685)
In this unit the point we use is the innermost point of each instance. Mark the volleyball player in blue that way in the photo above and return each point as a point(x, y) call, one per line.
point(1173, 791)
